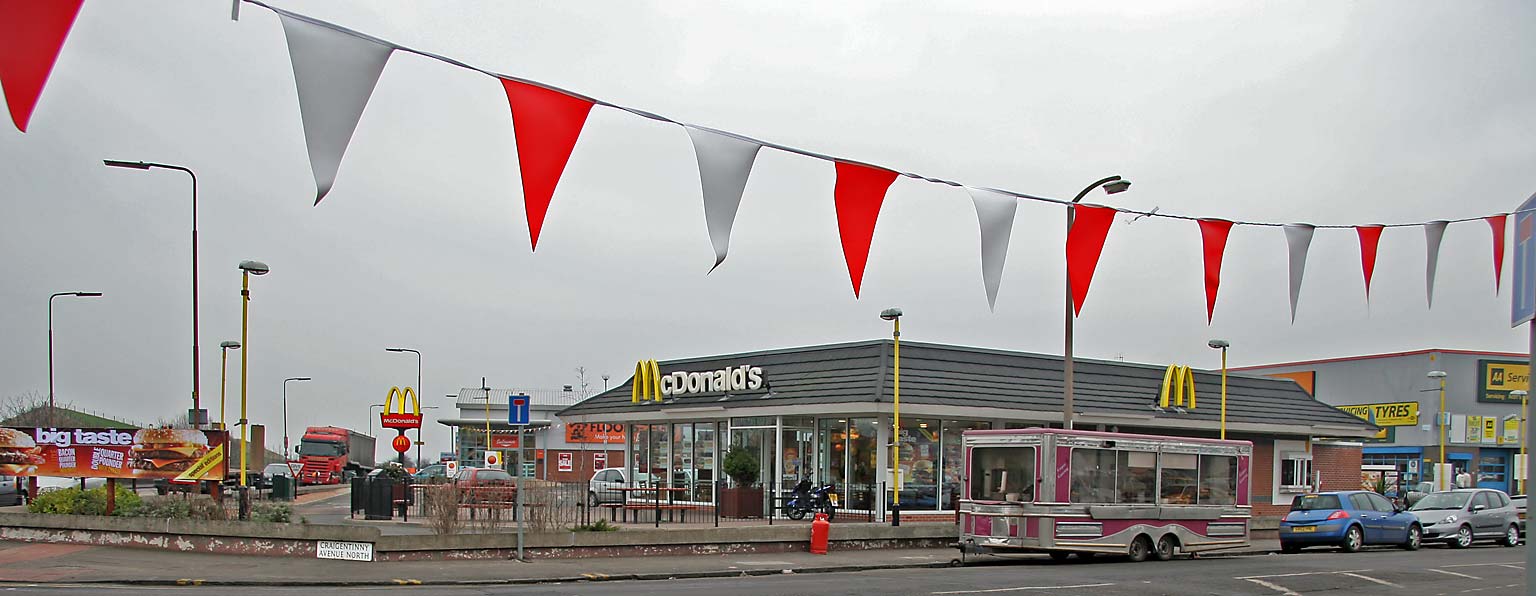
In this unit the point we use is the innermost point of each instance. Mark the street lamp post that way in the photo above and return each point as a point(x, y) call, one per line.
point(1521, 483)
point(894, 316)
point(247, 269)
point(1222, 344)
point(1111, 185)
point(196, 416)
point(1439, 375)
point(50, 343)
point(420, 441)
point(286, 453)
point(224, 348)
point(371, 416)
point(418, 397)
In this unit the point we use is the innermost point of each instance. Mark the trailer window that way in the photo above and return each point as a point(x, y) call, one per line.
point(1003, 474)
point(1178, 478)
point(1138, 477)
point(1093, 476)
point(1218, 479)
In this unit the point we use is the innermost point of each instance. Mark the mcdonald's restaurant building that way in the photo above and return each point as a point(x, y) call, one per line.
point(825, 412)
point(1482, 430)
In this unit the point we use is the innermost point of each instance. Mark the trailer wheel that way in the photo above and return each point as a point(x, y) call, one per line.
point(1166, 546)
point(1059, 555)
point(1140, 548)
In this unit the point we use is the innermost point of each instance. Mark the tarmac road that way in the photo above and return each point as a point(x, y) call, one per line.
point(1482, 570)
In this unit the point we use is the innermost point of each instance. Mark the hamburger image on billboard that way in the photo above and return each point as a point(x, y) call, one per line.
point(168, 449)
point(19, 455)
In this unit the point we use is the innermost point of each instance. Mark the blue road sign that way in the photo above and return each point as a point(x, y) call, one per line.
point(517, 410)
point(1523, 303)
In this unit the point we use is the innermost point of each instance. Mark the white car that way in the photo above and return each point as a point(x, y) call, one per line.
point(603, 488)
point(48, 483)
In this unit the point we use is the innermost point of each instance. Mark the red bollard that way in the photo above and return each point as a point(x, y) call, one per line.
point(820, 528)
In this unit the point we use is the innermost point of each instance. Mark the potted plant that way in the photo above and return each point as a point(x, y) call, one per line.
point(744, 499)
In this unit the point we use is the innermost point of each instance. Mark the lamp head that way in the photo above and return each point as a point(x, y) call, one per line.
point(1116, 186)
point(88, 294)
point(1220, 344)
point(117, 163)
point(1520, 393)
point(255, 267)
point(1436, 374)
point(298, 379)
point(890, 314)
point(230, 345)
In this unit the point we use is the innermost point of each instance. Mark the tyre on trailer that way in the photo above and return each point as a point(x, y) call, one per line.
point(1140, 548)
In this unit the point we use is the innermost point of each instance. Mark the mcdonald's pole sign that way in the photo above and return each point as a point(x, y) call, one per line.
point(395, 414)
point(1175, 381)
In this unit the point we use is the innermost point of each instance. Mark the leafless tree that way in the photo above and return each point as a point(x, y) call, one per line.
point(583, 384)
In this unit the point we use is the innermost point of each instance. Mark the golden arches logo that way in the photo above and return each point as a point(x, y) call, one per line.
point(1175, 381)
point(405, 394)
point(647, 382)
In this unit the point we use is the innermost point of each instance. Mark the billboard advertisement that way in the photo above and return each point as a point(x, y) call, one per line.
point(184, 455)
point(594, 432)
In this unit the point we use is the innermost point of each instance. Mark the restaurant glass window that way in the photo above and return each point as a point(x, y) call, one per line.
point(703, 461)
point(1178, 483)
point(1137, 477)
point(1490, 468)
point(657, 464)
point(797, 450)
point(863, 449)
point(919, 463)
point(682, 474)
point(1093, 476)
point(1003, 474)
point(832, 450)
point(1218, 480)
point(952, 460)
point(759, 443)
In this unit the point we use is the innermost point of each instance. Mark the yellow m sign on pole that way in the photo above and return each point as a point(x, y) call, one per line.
point(1175, 381)
point(647, 383)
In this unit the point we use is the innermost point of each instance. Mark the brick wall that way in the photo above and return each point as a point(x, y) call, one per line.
point(582, 464)
point(1262, 488)
point(1339, 466)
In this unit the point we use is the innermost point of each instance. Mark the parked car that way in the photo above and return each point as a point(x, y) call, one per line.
point(49, 483)
point(10, 490)
point(486, 485)
point(286, 470)
point(1519, 502)
point(1462, 516)
point(1348, 520)
point(605, 484)
point(433, 474)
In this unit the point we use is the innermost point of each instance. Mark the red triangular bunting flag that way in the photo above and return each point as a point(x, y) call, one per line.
point(1085, 241)
point(1369, 237)
point(31, 34)
point(1497, 223)
point(546, 123)
point(858, 194)
point(1213, 239)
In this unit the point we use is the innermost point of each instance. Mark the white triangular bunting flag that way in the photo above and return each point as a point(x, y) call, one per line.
point(1433, 232)
point(725, 162)
point(335, 73)
point(1298, 238)
point(994, 211)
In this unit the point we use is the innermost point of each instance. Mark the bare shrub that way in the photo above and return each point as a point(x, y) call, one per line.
point(442, 508)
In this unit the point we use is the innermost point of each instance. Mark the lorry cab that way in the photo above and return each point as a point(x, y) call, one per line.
point(332, 455)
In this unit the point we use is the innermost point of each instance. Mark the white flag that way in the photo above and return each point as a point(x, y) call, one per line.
point(725, 162)
point(335, 73)
point(1433, 232)
point(1298, 238)
point(994, 211)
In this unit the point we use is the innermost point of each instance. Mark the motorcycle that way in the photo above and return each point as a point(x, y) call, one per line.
point(806, 498)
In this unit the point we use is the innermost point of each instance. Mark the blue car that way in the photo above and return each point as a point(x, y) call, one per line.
point(1348, 520)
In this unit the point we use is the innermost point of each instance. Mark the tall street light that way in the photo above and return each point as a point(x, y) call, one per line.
point(1111, 185)
point(894, 316)
point(372, 416)
point(224, 348)
point(287, 453)
point(50, 342)
point(1521, 483)
point(247, 269)
point(196, 417)
point(420, 442)
point(419, 393)
point(1222, 344)
point(1439, 375)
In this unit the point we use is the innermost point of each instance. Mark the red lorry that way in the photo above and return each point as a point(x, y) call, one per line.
point(332, 455)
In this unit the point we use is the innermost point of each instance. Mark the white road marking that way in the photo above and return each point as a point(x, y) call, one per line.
point(1275, 587)
point(1456, 574)
point(1507, 564)
point(1300, 574)
point(1023, 588)
point(1370, 579)
point(1520, 567)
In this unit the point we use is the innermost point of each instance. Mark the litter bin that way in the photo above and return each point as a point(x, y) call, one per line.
point(282, 488)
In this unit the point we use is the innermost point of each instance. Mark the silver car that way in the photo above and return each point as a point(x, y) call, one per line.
point(10, 490)
point(1463, 516)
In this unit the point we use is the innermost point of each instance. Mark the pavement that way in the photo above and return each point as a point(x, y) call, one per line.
point(78, 564)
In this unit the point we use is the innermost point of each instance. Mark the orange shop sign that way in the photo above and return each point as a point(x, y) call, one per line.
point(594, 432)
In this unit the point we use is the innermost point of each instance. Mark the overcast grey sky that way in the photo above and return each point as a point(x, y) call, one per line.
point(1321, 112)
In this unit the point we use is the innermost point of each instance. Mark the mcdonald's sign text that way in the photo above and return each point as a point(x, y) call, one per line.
point(395, 414)
point(651, 385)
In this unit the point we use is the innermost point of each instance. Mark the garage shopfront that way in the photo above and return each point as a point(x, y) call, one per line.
point(824, 413)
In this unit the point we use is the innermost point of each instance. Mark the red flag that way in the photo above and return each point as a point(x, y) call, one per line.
point(858, 194)
point(1497, 223)
point(31, 34)
point(546, 123)
point(1213, 238)
point(1369, 237)
point(1085, 241)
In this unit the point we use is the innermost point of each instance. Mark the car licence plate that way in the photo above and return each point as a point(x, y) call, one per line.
point(833, 498)
point(1304, 529)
